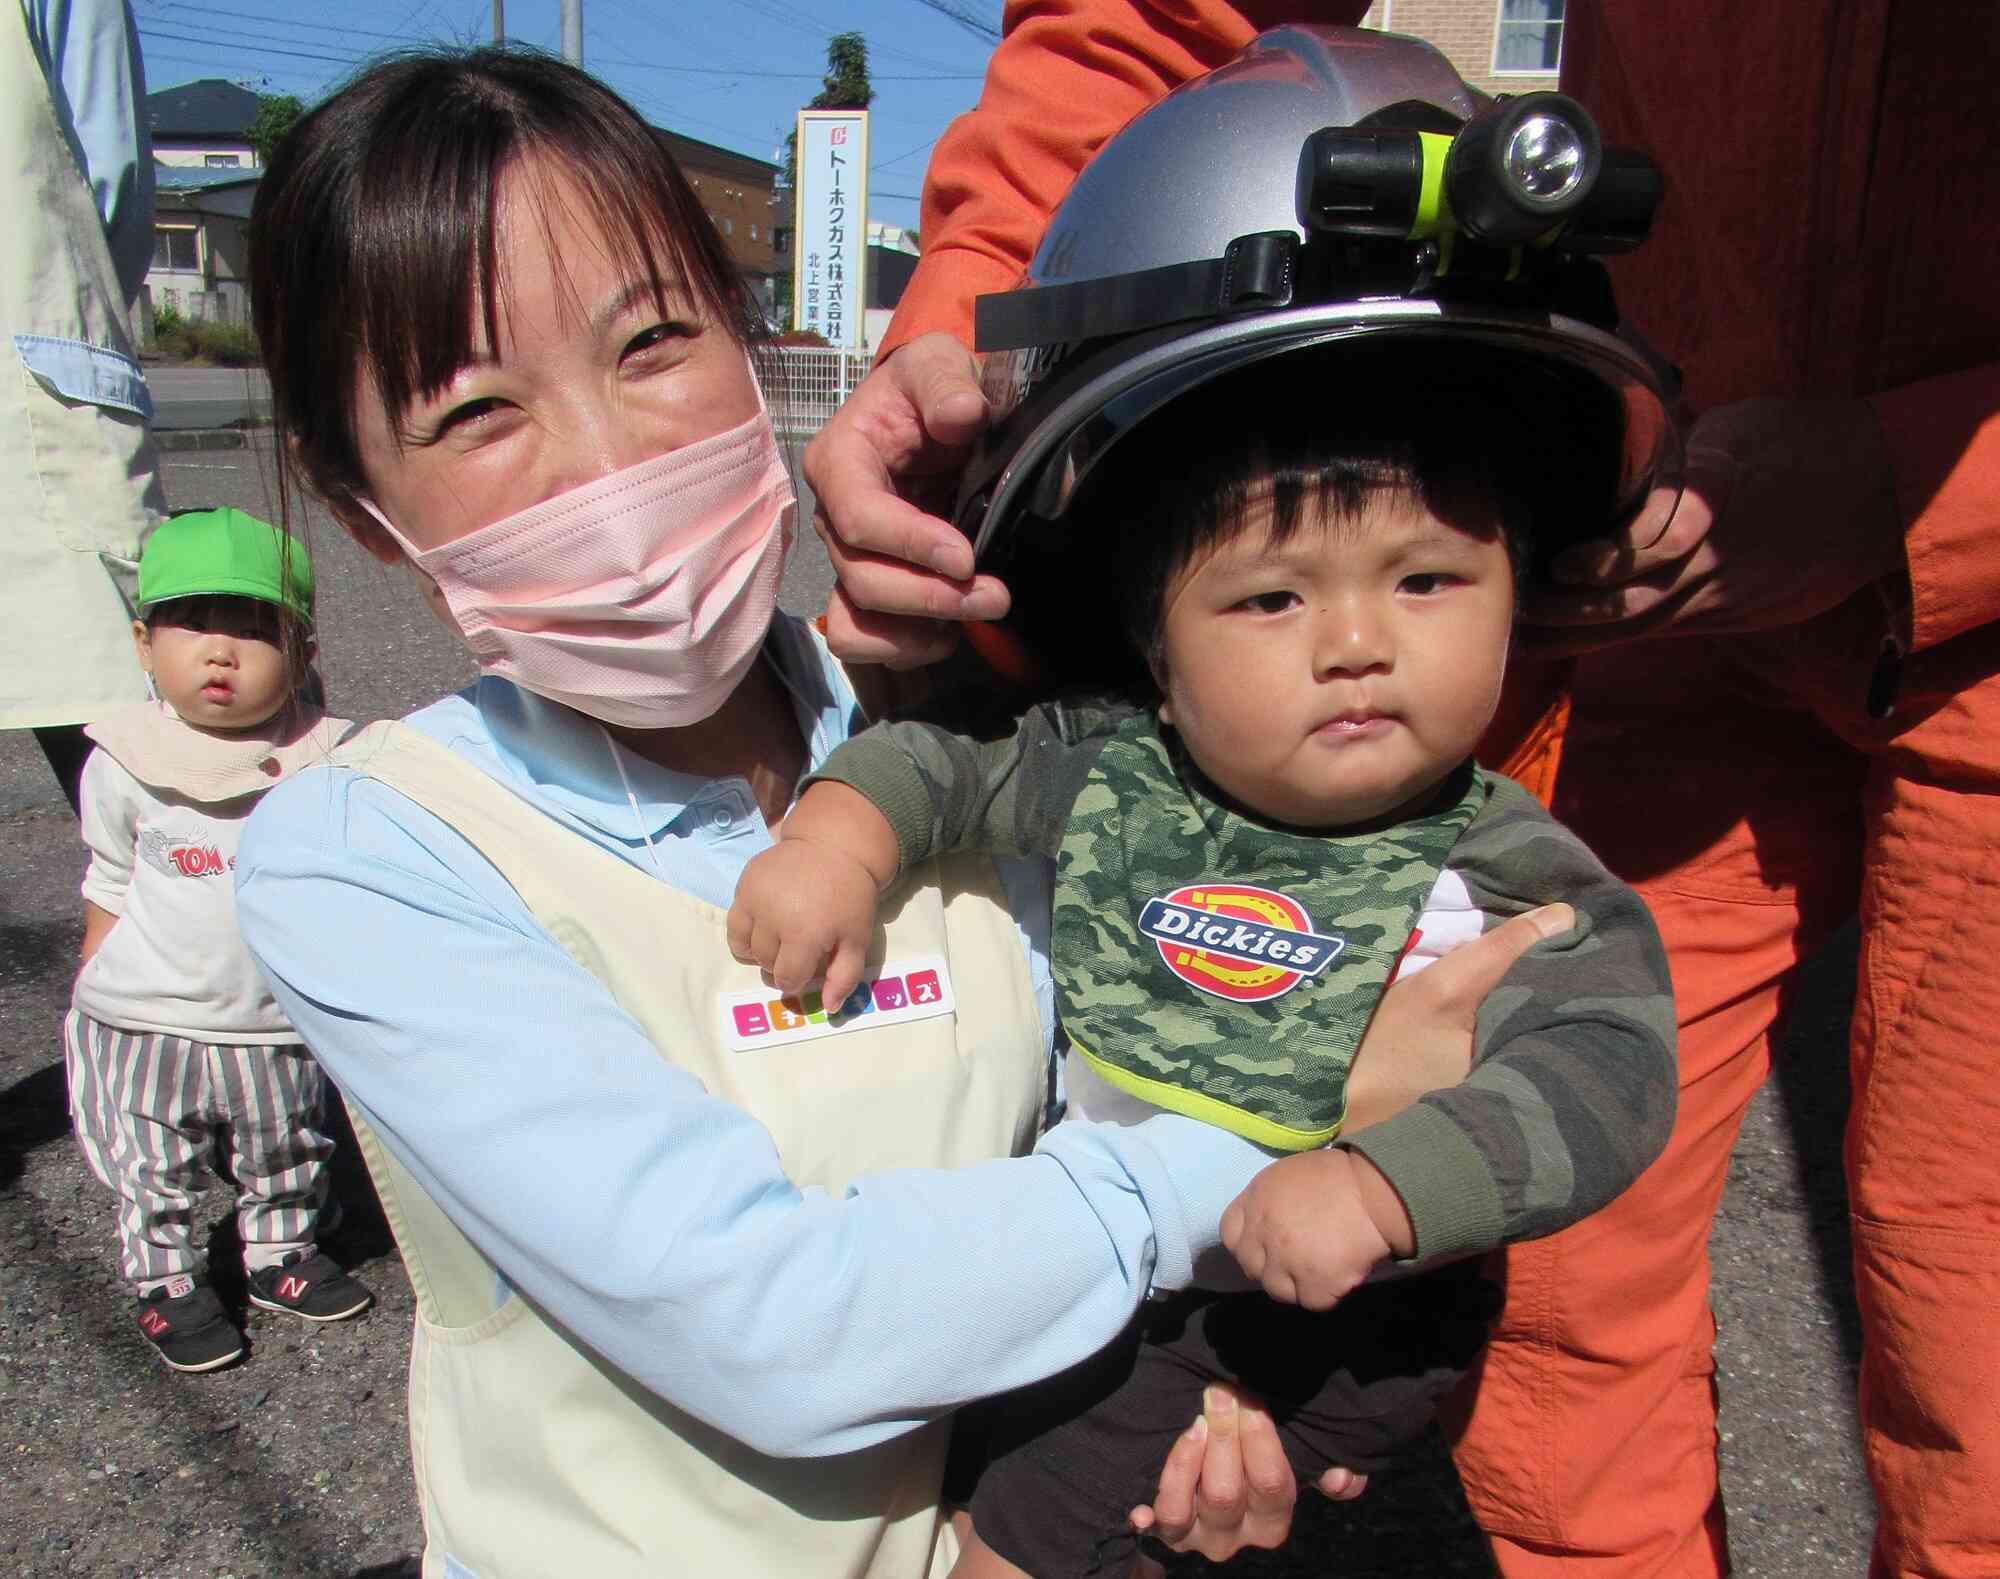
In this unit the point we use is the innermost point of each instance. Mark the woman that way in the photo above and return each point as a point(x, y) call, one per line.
point(506, 347)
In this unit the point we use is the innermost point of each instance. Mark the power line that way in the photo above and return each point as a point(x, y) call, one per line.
point(965, 17)
point(280, 21)
point(643, 65)
point(271, 49)
point(207, 63)
point(797, 76)
point(901, 157)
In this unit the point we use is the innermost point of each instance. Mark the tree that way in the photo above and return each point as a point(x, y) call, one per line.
point(844, 87)
point(275, 114)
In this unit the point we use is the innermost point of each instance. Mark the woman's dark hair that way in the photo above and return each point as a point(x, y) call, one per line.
point(372, 238)
point(1486, 438)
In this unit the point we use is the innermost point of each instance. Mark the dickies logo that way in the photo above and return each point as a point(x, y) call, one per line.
point(1237, 942)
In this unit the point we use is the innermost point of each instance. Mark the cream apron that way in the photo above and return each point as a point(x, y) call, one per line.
point(535, 1458)
point(79, 473)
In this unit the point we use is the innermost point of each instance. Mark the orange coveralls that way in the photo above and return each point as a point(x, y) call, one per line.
point(1831, 229)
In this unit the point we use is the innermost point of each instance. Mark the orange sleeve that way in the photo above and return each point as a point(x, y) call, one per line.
point(1944, 440)
point(1067, 74)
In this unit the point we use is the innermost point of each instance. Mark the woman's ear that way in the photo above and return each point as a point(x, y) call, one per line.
point(365, 530)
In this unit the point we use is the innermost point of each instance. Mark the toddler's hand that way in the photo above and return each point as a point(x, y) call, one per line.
point(805, 913)
point(1307, 1227)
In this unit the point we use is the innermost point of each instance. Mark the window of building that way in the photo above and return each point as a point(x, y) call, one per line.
point(781, 239)
point(1529, 36)
point(222, 161)
point(753, 232)
point(174, 247)
point(728, 226)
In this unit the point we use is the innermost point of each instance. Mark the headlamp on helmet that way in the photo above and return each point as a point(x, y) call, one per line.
point(1525, 169)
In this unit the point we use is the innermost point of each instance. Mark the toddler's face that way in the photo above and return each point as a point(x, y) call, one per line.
point(218, 662)
point(1340, 676)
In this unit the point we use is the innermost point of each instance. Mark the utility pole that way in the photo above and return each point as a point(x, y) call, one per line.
point(572, 31)
point(499, 21)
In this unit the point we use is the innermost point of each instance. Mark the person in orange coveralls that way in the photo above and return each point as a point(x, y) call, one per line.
point(1822, 273)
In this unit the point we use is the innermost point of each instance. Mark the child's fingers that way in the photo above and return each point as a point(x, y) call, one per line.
point(1171, 1513)
point(1342, 1484)
point(843, 972)
point(1224, 1491)
point(1270, 1487)
point(739, 929)
point(797, 964)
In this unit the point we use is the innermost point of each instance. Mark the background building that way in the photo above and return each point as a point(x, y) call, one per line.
point(1502, 46)
point(207, 170)
point(203, 124)
point(738, 192)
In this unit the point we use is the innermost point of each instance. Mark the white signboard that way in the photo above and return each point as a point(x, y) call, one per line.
point(828, 289)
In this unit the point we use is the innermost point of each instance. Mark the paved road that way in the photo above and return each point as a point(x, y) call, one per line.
point(1799, 1504)
point(207, 397)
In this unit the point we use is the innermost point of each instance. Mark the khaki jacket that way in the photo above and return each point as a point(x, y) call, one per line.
point(78, 468)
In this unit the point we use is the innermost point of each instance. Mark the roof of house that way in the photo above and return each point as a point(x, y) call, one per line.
point(188, 178)
point(208, 108)
point(692, 150)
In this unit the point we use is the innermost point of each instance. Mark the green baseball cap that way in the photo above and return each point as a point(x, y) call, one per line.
point(206, 553)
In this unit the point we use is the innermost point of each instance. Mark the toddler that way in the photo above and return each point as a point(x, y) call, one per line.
point(1321, 600)
point(172, 1035)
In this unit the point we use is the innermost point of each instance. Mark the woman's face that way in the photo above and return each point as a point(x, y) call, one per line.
point(588, 378)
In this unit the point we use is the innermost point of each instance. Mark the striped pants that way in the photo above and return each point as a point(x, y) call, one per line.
point(148, 1109)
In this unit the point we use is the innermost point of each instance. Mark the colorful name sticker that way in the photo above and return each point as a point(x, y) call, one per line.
point(918, 988)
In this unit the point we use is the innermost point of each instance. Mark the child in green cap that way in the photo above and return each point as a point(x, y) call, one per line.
point(172, 1035)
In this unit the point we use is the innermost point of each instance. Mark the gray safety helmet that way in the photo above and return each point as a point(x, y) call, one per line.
point(1195, 243)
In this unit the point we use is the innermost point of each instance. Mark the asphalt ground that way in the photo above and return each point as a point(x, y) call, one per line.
point(295, 1461)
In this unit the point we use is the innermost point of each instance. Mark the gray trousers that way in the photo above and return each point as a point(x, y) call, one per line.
point(149, 1108)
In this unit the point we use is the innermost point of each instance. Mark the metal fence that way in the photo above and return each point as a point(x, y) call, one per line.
point(810, 382)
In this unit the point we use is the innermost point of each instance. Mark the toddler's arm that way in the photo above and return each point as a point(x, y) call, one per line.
point(1312, 1226)
point(891, 797)
point(805, 908)
point(108, 810)
point(97, 921)
point(1573, 1083)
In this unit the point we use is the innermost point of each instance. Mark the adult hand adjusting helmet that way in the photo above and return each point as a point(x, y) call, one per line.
point(1328, 185)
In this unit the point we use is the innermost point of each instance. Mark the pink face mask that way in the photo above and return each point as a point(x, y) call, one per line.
point(641, 598)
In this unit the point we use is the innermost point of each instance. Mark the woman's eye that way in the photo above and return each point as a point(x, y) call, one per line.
point(469, 414)
point(656, 335)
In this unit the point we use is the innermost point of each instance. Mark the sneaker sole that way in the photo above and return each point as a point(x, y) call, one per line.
point(205, 1365)
point(293, 1310)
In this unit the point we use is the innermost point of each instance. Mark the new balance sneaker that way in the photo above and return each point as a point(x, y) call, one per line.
point(185, 1322)
point(308, 1283)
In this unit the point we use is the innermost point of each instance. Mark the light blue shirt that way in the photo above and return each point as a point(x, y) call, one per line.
point(89, 51)
point(650, 1219)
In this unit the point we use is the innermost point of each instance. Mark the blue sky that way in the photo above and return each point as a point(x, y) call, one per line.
point(730, 72)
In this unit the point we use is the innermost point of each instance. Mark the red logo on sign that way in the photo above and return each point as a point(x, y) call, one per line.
point(1227, 973)
point(836, 134)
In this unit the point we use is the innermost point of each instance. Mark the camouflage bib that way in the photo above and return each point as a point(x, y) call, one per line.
point(1225, 970)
